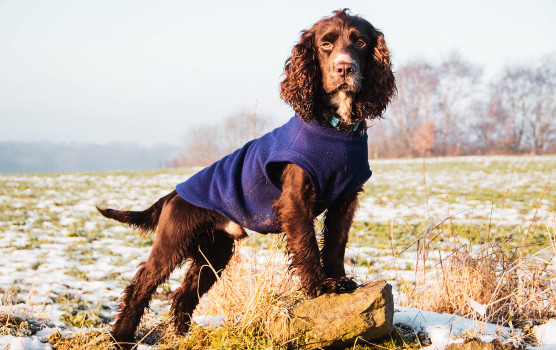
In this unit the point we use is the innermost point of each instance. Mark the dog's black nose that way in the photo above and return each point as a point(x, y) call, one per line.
point(343, 69)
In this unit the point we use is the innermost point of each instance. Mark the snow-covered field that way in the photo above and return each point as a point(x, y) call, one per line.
point(61, 261)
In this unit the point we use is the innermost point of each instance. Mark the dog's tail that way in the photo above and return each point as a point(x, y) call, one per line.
point(145, 220)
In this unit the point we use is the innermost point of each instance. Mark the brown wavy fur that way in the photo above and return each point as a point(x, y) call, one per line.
point(301, 87)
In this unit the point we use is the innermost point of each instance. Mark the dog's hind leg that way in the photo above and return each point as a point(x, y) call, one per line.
point(167, 253)
point(208, 261)
point(138, 294)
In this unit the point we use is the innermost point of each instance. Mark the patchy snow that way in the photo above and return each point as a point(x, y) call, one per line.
point(60, 256)
point(445, 329)
point(23, 343)
point(546, 334)
point(448, 189)
point(209, 321)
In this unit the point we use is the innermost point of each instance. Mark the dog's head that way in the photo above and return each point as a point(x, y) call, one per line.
point(340, 65)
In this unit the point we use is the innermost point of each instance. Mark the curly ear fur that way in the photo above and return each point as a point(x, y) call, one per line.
point(301, 87)
point(379, 84)
point(302, 84)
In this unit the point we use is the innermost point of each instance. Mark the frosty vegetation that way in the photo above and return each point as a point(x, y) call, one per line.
point(481, 228)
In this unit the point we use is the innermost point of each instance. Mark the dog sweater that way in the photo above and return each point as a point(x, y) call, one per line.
point(242, 186)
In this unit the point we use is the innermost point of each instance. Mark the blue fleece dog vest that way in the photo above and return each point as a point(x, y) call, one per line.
point(241, 186)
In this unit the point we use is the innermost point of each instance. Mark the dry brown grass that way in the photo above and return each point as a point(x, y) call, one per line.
point(90, 339)
point(31, 308)
point(254, 291)
point(492, 282)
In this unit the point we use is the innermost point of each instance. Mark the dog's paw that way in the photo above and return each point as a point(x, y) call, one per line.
point(122, 340)
point(337, 285)
point(346, 284)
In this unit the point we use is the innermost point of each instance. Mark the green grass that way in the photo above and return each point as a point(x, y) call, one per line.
point(515, 180)
point(404, 235)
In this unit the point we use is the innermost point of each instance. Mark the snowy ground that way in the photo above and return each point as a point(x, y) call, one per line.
point(62, 261)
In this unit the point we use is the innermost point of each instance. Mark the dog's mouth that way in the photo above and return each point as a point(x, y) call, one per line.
point(348, 86)
point(344, 87)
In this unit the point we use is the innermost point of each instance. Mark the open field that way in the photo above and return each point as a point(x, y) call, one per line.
point(63, 262)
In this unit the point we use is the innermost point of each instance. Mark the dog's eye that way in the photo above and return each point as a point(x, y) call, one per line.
point(326, 45)
point(360, 43)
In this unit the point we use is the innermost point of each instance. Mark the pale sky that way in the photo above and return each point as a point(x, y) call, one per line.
point(146, 71)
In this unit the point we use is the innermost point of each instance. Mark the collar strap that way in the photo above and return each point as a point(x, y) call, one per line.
point(337, 123)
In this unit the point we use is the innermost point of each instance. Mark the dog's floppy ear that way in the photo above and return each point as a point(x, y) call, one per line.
point(379, 84)
point(301, 85)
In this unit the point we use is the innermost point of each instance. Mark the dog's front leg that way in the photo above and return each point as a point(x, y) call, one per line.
point(296, 211)
point(337, 223)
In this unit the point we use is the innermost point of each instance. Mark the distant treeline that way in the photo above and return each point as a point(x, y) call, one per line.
point(449, 109)
point(31, 157)
point(444, 108)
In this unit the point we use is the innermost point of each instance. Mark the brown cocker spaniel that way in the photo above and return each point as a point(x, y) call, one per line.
point(339, 75)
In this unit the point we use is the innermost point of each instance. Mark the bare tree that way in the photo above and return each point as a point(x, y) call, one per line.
point(526, 95)
point(488, 125)
point(240, 128)
point(424, 138)
point(205, 144)
point(200, 148)
point(458, 83)
point(380, 145)
point(417, 84)
point(542, 122)
point(513, 91)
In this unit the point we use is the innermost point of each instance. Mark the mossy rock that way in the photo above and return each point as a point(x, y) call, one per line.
point(337, 320)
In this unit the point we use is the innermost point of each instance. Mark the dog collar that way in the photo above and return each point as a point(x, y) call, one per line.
point(337, 123)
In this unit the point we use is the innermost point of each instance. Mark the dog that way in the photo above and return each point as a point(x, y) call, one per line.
point(338, 76)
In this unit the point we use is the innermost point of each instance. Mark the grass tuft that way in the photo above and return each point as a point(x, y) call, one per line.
point(491, 282)
point(255, 293)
